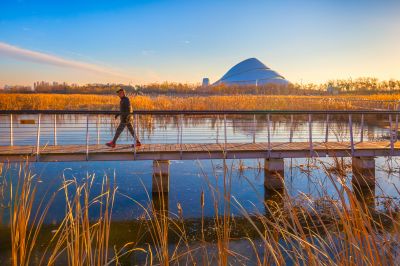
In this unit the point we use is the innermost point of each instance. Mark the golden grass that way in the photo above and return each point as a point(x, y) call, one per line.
point(86, 240)
point(233, 102)
point(25, 221)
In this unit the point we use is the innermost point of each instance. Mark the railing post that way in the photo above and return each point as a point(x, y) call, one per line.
point(291, 129)
point(269, 135)
point(98, 129)
point(362, 128)
point(391, 134)
point(135, 117)
point(396, 128)
point(181, 134)
point(327, 128)
point(11, 131)
point(310, 135)
point(87, 137)
point(217, 123)
point(351, 134)
point(254, 128)
point(38, 139)
point(225, 137)
point(137, 127)
point(55, 130)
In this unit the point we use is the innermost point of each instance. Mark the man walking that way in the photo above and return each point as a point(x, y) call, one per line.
point(126, 119)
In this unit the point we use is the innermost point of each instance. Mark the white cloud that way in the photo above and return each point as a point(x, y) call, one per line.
point(33, 56)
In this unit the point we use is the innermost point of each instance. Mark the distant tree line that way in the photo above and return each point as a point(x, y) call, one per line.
point(365, 85)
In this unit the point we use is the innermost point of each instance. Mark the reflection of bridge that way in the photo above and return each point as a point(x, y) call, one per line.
point(362, 152)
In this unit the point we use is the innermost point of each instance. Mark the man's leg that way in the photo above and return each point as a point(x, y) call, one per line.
point(131, 130)
point(118, 132)
point(135, 137)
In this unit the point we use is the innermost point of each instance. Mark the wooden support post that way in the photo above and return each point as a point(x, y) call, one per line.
point(274, 174)
point(160, 181)
point(363, 171)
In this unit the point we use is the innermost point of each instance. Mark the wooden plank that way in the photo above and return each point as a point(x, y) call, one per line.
point(243, 150)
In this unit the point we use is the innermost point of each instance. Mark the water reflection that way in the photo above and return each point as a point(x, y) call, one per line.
point(160, 203)
point(365, 195)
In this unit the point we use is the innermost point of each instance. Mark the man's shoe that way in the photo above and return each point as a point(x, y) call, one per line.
point(110, 144)
point(138, 144)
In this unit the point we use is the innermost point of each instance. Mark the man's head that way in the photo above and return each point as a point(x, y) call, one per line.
point(121, 93)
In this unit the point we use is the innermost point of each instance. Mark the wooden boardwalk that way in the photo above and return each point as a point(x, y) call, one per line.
point(196, 151)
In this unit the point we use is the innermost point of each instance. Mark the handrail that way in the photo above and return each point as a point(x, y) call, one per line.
point(179, 115)
point(202, 112)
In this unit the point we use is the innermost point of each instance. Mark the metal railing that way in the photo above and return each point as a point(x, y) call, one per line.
point(53, 127)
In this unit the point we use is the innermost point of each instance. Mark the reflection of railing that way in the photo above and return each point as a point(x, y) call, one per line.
point(252, 120)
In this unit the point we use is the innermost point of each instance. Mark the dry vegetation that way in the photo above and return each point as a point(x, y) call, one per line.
point(233, 102)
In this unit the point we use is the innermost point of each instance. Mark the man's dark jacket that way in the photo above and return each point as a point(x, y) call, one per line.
point(125, 109)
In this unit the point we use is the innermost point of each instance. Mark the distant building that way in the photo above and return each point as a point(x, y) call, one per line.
point(17, 88)
point(206, 82)
point(252, 72)
point(332, 90)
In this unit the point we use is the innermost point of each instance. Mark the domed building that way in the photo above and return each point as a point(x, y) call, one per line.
point(252, 72)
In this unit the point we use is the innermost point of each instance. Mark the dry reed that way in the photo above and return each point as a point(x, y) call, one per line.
point(237, 102)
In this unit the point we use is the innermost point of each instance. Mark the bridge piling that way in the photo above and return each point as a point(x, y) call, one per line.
point(274, 174)
point(363, 171)
point(160, 180)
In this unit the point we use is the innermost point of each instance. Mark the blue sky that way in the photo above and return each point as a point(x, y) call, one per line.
point(184, 41)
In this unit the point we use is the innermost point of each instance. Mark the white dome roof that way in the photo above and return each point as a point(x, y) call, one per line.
point(250, 72)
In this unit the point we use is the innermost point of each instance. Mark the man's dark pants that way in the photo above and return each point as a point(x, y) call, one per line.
point(125, 122)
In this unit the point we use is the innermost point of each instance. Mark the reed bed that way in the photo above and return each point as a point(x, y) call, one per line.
point(233, 102)
point(303, 230)
point(25, 221)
